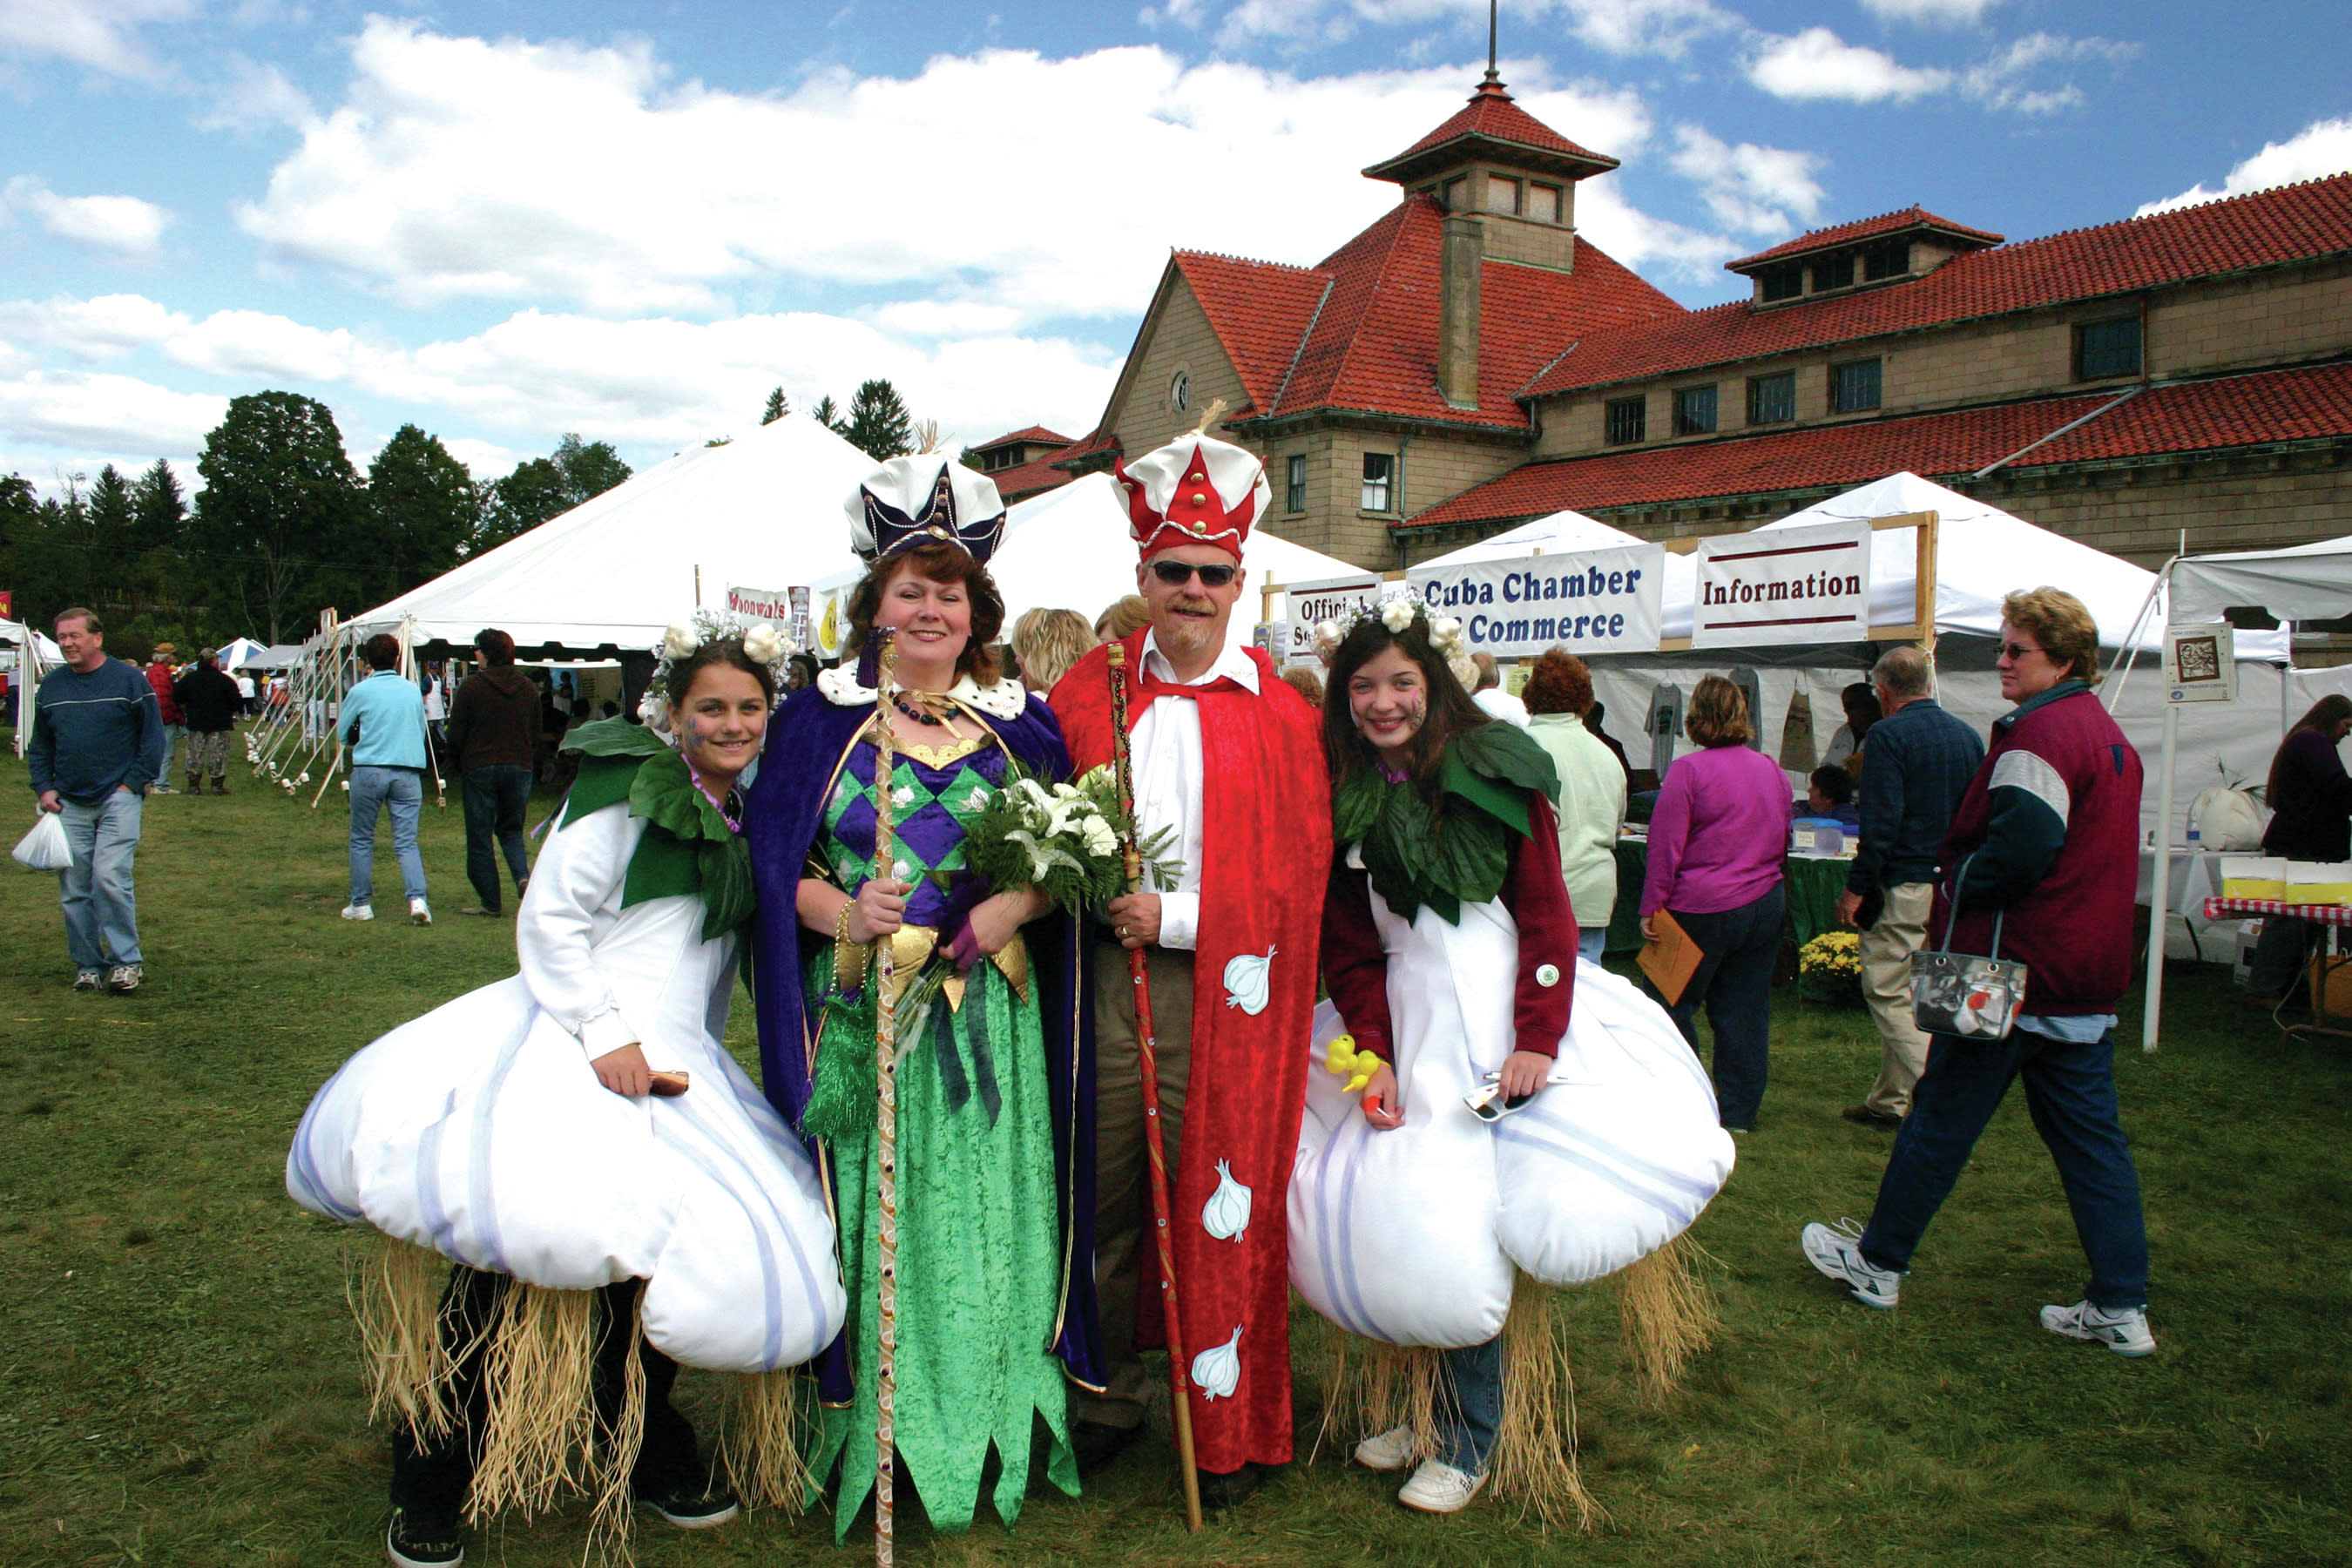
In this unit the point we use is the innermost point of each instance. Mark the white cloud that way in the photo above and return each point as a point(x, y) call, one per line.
point(100, 34)
point(483, 459)
point(103, 412)
point(124, 225)
point(461, 168)
point(1764, 190)
point(255, 96)
point(1931, 13)
point(1818, 64)
point(1615, 26)
point(2006, 80)
point(2320, 149)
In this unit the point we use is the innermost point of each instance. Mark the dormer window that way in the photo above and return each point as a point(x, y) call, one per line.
point(1833, 272)
point(1502, 195)
point(1890, 260)
point(1543, 203)
point(1783, 282)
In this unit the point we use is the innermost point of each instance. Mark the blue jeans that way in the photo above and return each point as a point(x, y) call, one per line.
point(1470, 1403)
point(173, 735)
point(496, 799)
point(101, 908)
point(372, 789)
point(2070, 1089)
point(1591, 941)
point(1734, 978)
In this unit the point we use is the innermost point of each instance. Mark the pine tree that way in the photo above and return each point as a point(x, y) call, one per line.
point(828, 413)
point(160, 505)
point(777, 407)
point(879, 425)
point(113, 536)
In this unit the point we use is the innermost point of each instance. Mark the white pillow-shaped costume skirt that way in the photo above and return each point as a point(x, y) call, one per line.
point(479, 1131)
point(1410, 1236)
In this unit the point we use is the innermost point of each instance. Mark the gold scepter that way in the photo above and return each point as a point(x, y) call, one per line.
point(1147, 1045)
point(886, 1120)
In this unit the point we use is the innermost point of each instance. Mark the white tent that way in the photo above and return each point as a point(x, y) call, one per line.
point(762, 511)
point(29, 654)
point(1068, 550)
point(1558, 534)
point(2305, 582)
point(239, 651)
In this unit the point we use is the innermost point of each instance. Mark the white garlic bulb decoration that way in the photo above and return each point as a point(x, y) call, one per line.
point(1217, 1372)
point(1227, 1213)
point(1246, 982)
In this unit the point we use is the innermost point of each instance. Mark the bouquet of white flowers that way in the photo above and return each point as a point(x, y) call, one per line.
point(1062, 837)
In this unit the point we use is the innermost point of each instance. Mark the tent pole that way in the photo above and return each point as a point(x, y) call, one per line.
point(2159, 896)
point(2286, 683)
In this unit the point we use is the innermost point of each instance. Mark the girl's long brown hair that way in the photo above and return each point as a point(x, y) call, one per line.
point(1451, 711)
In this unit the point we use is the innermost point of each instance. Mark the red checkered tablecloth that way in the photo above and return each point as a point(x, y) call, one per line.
point(2238, 909)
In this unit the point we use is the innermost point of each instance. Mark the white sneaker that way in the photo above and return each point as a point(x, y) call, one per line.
point(2125, 1333)
point(358, 913)
point(1836, 1251)
point(1439, 1488)
point(1391, 1450)
point(418, 915)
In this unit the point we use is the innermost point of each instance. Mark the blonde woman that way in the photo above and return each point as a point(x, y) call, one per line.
point(1047, 643)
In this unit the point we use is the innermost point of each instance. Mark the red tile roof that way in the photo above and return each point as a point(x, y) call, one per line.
point(2258, 409)
point(1367, 316)
point(1094, 442)
point(1033, 478)
point(1491, 115)
point(1033, 436)
point(1911, 218)
point(2264, 229)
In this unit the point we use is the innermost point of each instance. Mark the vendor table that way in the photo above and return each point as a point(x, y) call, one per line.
point(2335, 917)
point(1812, 883)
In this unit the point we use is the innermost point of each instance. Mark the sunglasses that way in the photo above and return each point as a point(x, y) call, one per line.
point(1176, 573)
point(2018, 650)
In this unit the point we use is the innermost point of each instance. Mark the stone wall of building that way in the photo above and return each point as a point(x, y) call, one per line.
point(1181, 340)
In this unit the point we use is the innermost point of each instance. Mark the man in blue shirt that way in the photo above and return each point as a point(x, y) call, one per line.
point(96, 744)
point(383, 724)
point(1916, 766)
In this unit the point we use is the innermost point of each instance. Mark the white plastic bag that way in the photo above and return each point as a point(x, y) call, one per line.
point(45, 847)
point(2225, 819)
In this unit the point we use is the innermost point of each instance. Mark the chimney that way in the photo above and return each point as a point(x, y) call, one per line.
point(1465, 249)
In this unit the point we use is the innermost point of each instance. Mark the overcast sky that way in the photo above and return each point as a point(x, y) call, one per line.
point(502, 222)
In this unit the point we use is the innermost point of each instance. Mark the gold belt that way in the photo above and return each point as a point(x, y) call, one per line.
point(912, 947)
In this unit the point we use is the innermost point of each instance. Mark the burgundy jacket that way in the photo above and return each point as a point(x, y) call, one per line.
point(1356, 964)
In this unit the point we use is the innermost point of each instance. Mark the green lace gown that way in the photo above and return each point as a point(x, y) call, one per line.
point(978, 1260)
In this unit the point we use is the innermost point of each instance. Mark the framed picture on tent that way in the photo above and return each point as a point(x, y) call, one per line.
point(2201, 663)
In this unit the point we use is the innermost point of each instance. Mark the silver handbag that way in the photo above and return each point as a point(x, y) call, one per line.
point(1960, 994)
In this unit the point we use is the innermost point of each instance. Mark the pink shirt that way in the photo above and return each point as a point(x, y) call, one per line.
point(1719, 832)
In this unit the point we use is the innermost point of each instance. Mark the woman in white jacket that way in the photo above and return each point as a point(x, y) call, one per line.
point(1591, 792)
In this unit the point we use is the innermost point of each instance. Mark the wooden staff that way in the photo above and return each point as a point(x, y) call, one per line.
point(886, 1120)
point(1180, 1381)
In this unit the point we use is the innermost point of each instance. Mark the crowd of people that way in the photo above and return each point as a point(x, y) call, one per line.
point(939, 1251)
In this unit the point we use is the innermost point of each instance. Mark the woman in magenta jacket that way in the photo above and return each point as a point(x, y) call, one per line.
point(1717, 840)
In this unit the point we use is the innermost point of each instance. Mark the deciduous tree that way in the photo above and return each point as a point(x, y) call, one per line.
point(422, 509)
point(280, 501)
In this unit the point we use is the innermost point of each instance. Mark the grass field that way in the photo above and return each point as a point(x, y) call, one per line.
point(179, 1382)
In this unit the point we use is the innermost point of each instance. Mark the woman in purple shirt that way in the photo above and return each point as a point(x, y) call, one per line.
point(1717, 840)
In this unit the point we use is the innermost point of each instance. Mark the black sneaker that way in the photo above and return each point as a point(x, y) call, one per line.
point(413, 1542)
point(696, 1505)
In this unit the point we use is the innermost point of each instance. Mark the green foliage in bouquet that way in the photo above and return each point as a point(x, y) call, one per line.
point(1062, 837)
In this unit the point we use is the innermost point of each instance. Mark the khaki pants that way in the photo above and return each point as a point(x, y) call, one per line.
point(1886, 950)
point(1124, 1237)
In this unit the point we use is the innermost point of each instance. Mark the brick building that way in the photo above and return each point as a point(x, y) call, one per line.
point(1467, 362)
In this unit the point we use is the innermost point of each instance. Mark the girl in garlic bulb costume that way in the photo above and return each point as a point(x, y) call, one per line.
point(617, 1197)
point(994, 1088)
point(1450, 953)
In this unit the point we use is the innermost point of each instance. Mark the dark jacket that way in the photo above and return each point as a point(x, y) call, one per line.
point(2047, 838)
point(2312, 802)
point(93, 732)
point(494, 721)
point(1914, 772)
point(209, 698)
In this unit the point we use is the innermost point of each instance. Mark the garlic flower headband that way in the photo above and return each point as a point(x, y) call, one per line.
point(1397, 613)
point(762, 642)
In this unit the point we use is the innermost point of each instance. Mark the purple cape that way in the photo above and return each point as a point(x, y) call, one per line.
point(806, 742)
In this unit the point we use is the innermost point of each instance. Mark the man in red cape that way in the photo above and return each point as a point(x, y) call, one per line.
point(1230, 760)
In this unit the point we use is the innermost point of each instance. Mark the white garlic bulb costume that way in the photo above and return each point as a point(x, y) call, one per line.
point(479, 1131)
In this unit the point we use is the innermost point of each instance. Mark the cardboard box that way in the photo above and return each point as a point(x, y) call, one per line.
point(2253, 876)
point(2318, 882)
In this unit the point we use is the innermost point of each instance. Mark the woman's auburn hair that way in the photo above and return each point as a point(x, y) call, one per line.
point(2061, 624)
point(1449, 711)
point(1717, 715)
point(1559, 683)
point(947, 565)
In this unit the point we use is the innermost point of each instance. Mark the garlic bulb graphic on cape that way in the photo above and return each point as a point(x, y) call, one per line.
point(1216, 1373)
point(1246, 982)
point(1227, 1213)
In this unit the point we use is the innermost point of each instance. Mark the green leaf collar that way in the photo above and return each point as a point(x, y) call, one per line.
point(687, 850)
point(1455, 849)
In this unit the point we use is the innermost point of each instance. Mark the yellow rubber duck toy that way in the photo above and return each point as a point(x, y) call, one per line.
point(1357, 1066)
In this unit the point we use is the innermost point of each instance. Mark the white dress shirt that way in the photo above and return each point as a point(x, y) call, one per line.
point(1165, 752)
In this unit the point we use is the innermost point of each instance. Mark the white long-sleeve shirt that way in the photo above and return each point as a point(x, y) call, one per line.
point(1165, 753)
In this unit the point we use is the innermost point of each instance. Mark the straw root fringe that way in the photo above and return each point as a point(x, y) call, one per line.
point(395, 1290)
point(1370, 1387)
point(539, 1440)
point(762, 1439)
point(1667, 1314)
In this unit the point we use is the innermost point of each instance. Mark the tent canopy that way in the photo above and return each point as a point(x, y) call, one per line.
point(762, 511)
point(1558, 534)
point(239, 651)
point(2306, 583)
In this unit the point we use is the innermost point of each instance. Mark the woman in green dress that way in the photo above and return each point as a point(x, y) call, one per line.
point(994, 1094)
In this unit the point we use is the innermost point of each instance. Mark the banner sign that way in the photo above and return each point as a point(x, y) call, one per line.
point(762, 604)
point(802, 632)
point(1595, 601)
point(2201, 663)
point(1322, 600)
point(1808, 584)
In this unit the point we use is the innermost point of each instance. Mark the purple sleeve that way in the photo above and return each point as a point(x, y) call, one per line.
point(1669, 830)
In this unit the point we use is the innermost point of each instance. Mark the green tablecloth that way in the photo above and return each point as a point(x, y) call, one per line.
point(1814, 887)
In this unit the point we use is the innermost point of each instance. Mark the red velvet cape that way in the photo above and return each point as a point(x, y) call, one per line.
point(1266, 860)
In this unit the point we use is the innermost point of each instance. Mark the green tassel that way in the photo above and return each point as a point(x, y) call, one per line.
point(842, 1100)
